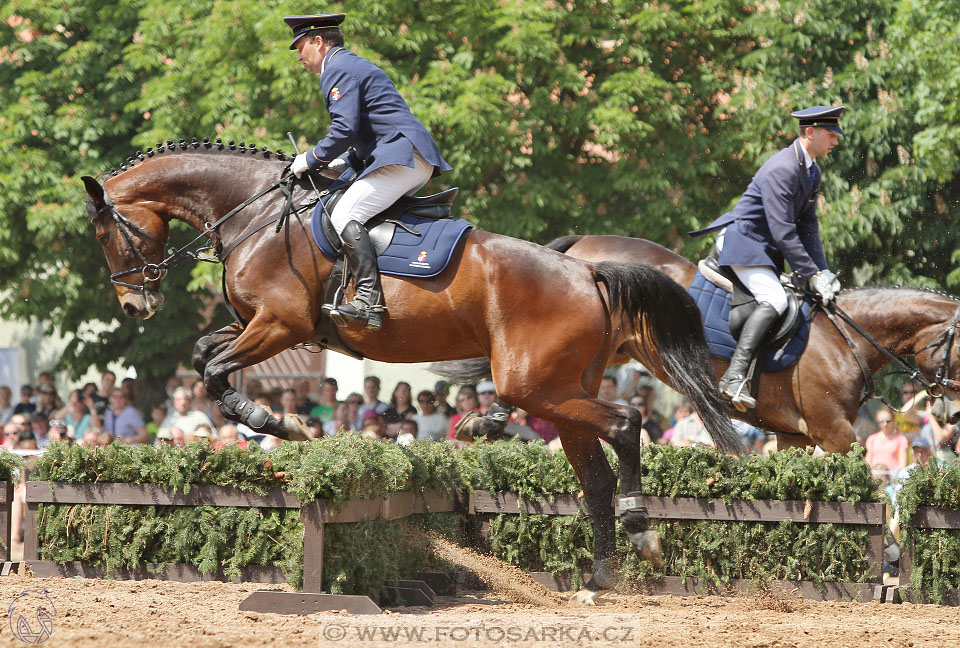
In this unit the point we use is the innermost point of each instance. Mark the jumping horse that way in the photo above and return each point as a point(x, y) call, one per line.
point(548, 323)
point(817, 400)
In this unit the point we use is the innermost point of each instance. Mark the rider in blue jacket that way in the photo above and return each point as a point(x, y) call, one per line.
point(368, 114)
point(774, 221)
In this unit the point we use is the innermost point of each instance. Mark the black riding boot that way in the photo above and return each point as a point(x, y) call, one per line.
point(367, 303)
point(733, 385)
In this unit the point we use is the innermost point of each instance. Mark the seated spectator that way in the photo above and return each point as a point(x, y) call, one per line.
point(408, 432)
point(653, 430)
point(254, 390)
point(122, 421)
point(11, 436)
point(315, 425)
point(27, 441)
point(922, 451)
point(326, 408)
point(690, 431)
point(202, 403)
point(100, 403)
point(158, 414)
point(753, 438)
point(40, 427)
point(288, 402)
point(342, 422)
point(373, 422)
point(466, 402)
point(229, 436)
point(202, 432)
point(58, 431)
point(89, 439)
point(266, 403)
point(441, 389)
point(432, 424)
point(163, 437)
point(400, 407)
point(26, 405)
point(943, 438)
point(680, 412)
point(177, 436)
point(887, 446)
point(173, 382)
point(79, 414)
point(129, 388)
point(609, 390)
point(371, 390)
point(183, 415)
point(47, 403)
point(305, 404)
point(6, 404)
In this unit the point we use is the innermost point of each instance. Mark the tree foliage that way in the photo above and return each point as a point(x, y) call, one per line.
point(593, 116)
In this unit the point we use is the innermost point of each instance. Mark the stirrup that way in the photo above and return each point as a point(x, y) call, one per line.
point(342, 315)
point(740, 397)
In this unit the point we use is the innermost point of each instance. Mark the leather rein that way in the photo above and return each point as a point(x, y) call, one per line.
point(944, 339)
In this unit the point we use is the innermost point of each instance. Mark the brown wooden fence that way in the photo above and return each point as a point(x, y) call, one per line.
point(926, 517)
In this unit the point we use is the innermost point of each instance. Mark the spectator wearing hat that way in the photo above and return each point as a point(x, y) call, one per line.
point(776, 221)
point(922, 450)
point(122, 421)
point(398, 154)
point(441, 389)
point(432, 424)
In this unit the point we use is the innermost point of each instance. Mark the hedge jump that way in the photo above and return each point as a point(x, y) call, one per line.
point(926, 517)
point(871, 515)
point(314, 515)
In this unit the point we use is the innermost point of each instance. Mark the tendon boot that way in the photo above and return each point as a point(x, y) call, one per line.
point(367, 303)
point(733, 385)
point(647, 541)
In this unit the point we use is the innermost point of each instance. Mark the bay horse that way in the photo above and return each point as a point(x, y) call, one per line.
point(548, 323)
point(816, 401)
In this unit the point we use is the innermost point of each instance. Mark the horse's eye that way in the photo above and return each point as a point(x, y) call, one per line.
point(103, 238)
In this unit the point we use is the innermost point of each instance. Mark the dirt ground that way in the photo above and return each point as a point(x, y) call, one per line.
point(93, 613)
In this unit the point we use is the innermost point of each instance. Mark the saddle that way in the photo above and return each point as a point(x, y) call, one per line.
point(782, 345)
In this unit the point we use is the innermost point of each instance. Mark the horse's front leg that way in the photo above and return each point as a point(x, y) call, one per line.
point(264, 337)
point(206, 349)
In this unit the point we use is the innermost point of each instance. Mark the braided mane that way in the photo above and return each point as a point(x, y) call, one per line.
point(194, 144)
point(899, 287)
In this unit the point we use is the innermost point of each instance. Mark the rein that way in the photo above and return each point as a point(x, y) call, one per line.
point(934, 389)
point(157, 271)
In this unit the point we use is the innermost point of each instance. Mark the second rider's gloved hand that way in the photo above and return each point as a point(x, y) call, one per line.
point(299, 165)
point(826, 284)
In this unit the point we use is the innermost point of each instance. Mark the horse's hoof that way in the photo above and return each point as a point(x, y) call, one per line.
point(602, 578)
point(295, 429)
point(587, 597)
point(648, 544)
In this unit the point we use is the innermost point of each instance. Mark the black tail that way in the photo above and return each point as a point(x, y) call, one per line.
point(563, 243)
point(656, 301)
point(463, 371)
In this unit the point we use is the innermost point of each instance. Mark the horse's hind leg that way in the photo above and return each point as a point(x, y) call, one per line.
point(264, 337)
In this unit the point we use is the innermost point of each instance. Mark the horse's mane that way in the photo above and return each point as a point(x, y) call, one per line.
point(195, 144)
point(898, 287)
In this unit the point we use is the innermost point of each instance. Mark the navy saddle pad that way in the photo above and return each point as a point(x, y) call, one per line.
point(714, 304)
point(409, 255)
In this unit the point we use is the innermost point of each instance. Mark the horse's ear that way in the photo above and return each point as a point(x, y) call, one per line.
point(94, 190)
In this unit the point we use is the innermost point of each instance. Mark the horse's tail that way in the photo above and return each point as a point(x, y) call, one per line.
point(660, 306)
point(463, 371)
point(563, 243)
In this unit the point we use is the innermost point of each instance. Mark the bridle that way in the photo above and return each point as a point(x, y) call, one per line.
point(941, 381)
point(156, 271)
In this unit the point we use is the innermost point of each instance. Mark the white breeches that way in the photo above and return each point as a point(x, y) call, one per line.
point(373, 193)
point(762, 281)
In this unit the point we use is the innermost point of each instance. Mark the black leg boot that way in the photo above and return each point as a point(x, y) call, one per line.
point(367, 303)
point(733, 385)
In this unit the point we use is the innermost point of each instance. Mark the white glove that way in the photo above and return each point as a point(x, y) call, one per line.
point(299, 165)
point(826, 284)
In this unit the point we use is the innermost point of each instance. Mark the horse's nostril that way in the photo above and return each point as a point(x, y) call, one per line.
point(130, 310)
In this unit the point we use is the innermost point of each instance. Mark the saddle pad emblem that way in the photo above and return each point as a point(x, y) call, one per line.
point(335, 94)
point(421, 261)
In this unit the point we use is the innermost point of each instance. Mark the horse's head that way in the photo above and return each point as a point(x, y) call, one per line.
point(133, 242)
point(939, 363)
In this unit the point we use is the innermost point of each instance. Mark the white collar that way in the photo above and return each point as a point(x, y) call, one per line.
point(323, 63)
point(807, 160)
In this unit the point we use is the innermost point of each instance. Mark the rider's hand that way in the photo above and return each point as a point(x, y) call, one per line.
point(299, 165)
point(826, 284)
